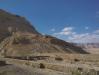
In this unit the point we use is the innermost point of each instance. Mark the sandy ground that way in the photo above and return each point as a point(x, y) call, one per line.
point(24, 70)
point(93, 50)
point(52, 66)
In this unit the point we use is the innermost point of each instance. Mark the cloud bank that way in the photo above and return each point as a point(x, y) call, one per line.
point(72, 36)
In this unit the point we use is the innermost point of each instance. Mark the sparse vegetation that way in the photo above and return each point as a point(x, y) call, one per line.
point(76, 73)
point(58, 58)
point(42, 66)
point(21, 40)
point(76, 60)
point(2, 63)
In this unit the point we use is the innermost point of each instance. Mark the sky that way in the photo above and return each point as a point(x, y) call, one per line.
point(70, 20)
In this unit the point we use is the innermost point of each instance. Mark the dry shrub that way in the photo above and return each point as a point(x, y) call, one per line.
point(2, 63)
point(42, 66)
point(59, 59)
point(76, 60)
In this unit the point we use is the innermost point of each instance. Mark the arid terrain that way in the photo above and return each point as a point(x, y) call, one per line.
point(25, 51)
point(52, 64)
point(92, 48)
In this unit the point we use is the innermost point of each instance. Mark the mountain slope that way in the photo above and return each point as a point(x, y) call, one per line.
point(23, 44)
point(19, 38)
point(10, 23)
point(92, 48)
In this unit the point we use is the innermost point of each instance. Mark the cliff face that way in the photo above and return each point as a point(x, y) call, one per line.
point(18, 38)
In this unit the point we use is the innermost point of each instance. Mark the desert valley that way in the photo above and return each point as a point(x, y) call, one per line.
point(25, 51)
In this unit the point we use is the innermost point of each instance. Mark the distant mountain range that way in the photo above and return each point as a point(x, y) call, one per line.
point(88, 45)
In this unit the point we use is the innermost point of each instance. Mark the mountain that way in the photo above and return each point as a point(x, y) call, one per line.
point(88, 45)
point(19, 38)
point(12, 23)
point(92, 48)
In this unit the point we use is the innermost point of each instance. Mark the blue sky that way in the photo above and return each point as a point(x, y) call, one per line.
point(70, 20)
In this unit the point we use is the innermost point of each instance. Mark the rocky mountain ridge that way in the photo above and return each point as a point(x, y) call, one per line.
point(19, 38)
point(10, 23)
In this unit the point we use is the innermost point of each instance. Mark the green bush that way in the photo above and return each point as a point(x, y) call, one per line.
point(76, 73)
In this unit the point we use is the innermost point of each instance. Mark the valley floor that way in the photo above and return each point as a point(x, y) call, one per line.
point(54, 64)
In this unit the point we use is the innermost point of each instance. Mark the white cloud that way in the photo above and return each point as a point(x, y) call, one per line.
point(69, 34)
point(53, 30)
point(86, 28)
point(85, 37)
point(65, 31)
point(97, 31)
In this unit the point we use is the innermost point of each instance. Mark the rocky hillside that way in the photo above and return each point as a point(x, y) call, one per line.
point(10, 23)
point(19, 37)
